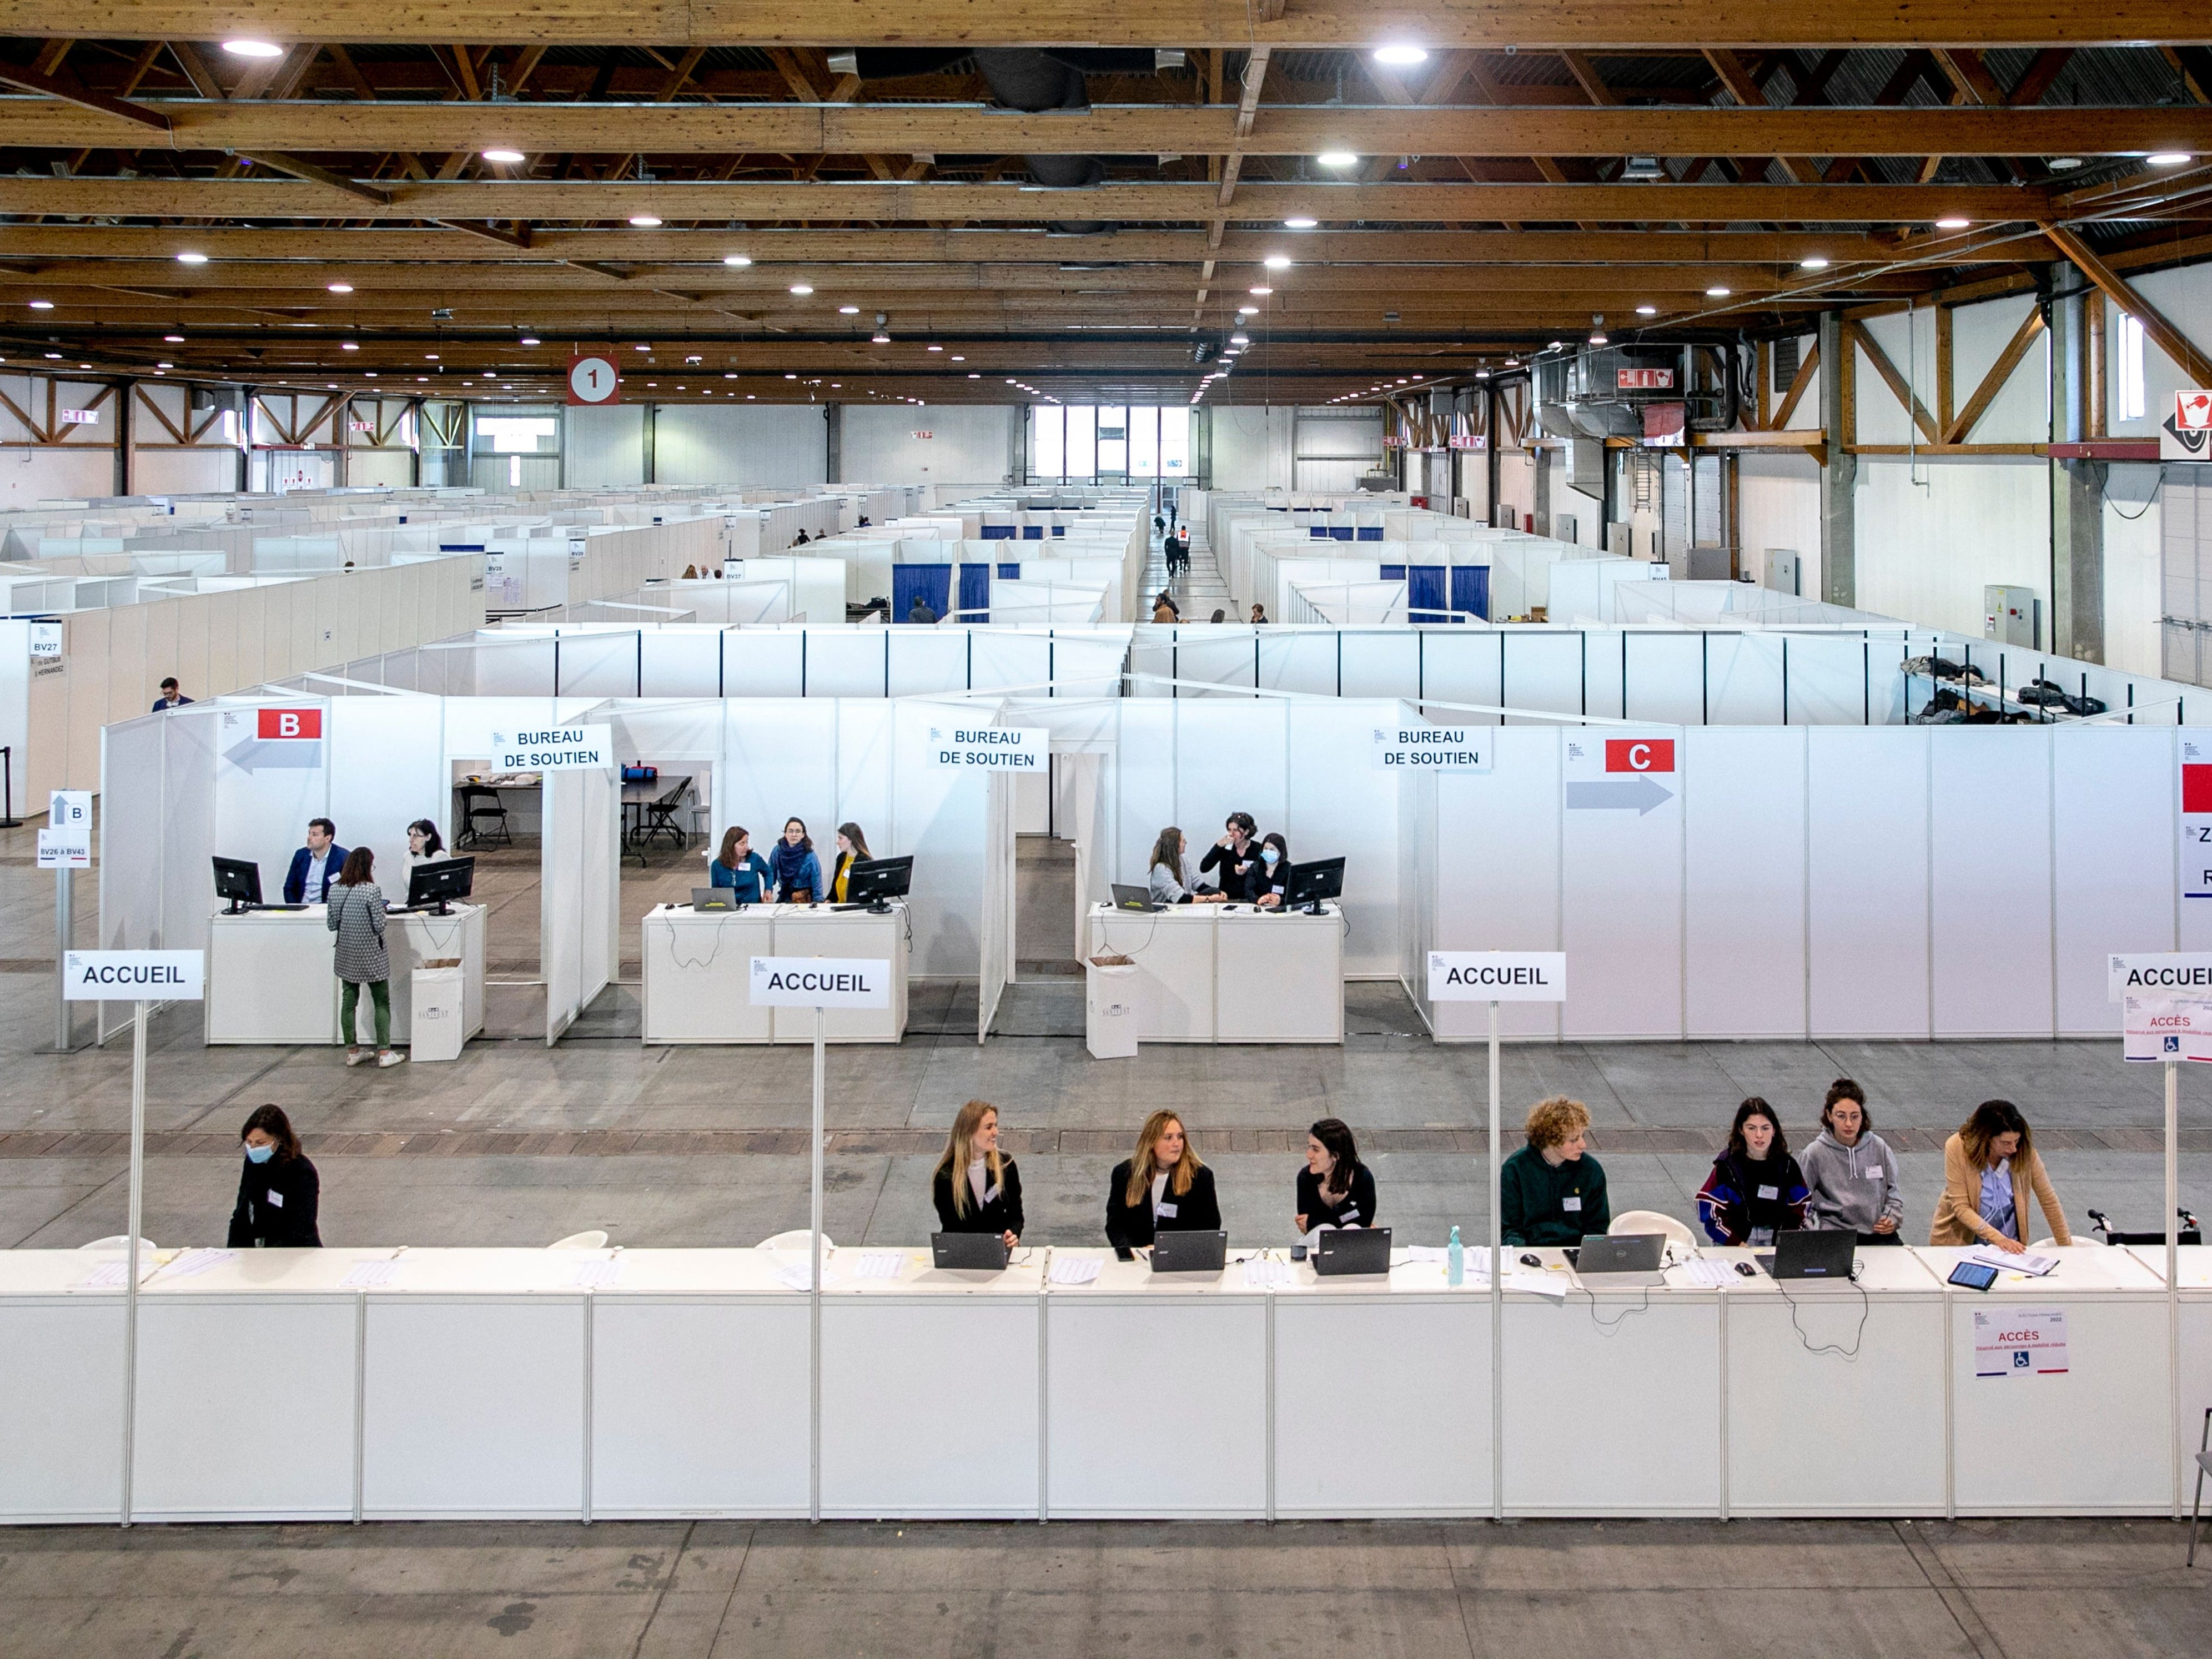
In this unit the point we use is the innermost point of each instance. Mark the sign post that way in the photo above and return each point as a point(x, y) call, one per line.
point(144, 977)
point(65, 845)
point(1495, 976)
point(819, 983)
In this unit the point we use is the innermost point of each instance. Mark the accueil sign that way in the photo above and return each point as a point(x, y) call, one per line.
point(820, 982)
point(1498, 976)
point(554, 749)
point(988, 749)
point(1430, 749)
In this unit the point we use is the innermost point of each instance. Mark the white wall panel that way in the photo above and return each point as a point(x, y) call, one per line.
point(605, 446)
point(392, 773)
point(1926, 548)
point(1011, 659)
point(844, 663)
point(1460, 666)
point(880, 443)
point(1867, 809)
point(764, 665)
point(1544, 670)
point(1827, 675)
point(678, 663)
point(1497, 871)
point(2116, 795)
point(1144, 790)
point(598, 664)
point(783, 446)
point(1743, 679)
point(1991, 880)
point(1744, 863)
point(1382, 664)
point(1337, 807)
point(1667, 678)
point(1780, 497)
point(924, 659)
point(1620, 905)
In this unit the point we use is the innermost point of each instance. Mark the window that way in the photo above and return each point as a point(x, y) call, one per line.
point(1175, 441)
point(1082, 443)
point(1145, 442)
point(2130, 368)
point(1109, 441)
point(1049, 450)
point(1114, 442)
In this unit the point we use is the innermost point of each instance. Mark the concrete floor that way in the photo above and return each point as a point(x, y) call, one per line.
point(1409, 1590)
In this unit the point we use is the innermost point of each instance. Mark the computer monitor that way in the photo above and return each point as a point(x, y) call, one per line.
point(440, 882)
point(872, 881)
point(238, 880)
point(1313, 880)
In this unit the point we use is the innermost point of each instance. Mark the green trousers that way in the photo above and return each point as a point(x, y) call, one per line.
point(379, 991)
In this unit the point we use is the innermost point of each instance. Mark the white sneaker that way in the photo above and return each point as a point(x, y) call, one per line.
point(391, 1057)
point(354, 1056)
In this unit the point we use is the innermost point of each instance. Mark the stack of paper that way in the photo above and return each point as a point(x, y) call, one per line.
point(192, 1263)
point(796, 1277)
point(1073, 1269)
point(369, 1275)
point(881, 1264)
point(1265, 1273)
point(1536, 1284)
point(2035, 1267)
point(108, 1273)
point(1709, 1275)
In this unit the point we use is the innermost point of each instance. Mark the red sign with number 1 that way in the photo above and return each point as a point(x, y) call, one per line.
point(593, 380)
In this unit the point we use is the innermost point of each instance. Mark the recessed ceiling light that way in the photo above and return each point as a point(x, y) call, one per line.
point(937, 347)
point(429, 356)
point(737, 259)
point(341, 288)
point(791, 377)
point(1710, 293)
point(1263, 292)
point(372, 373)
point(642, 347)
point(644, 221)
point(53, 354)
point(1812, 261)
point(529, 339)
point(2064, 163)
point(1301, 222)
point(1336, 158)
point(506, 157)
point(975, 377)
point(1647, 311)
point(348, 345)
point(192, 259)
point(843, 311)
point(1400, 57)
point(958, 359)
point(803, 289)
point(1240, 339)
point(879, 339)
point(252, 49)
point(2170, 158)
point(422, 379)
point(42, 305)
point(1952, 222)
point(164, 365)
point(1276, 262)
point(731, 375)
point(173, 340)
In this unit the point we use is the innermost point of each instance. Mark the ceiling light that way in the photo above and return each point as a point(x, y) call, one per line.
point(252, 49)
point(1012, 381)
point(1336, 158)
point(731, 375)
point(644, 221)
point(1647, 311)
point(1597, 336)
point(975, 377)
point(42, 305)
point(1247, 311)
point(2170, 158)
point(1276, 262)
point(1300, 223)
point(879, 339)
point(2064, 163)
point(958, 359)
point(372, 373)
point(173, 340)
point(737, 259)
point(1400, 57)
point(341, 288)
point(164, 365)
point(429, 356)
point(53, 354)
point(642, 347)
point(422, 379)
point(1263, 292)
point(348, 345)
point(843, 311)
point(803, 289)
point(530, 339)
point(506, 157)
point(791, 377)
point(937, 347)
point(1952, 222)
point(192, 259)
point(1812, 261)
point(1711, 293)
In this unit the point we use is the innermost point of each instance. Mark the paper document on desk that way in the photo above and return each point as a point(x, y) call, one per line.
point(1073, 1269)
point(596, 1275)
point(880, 1264)
point(2035, 1267)
point(192, 1263)
point(1265, 1273)
point(107, 1273)
point(369, 1275)
point(1708, 1275)
point(1554, 1285)
point(796, 1277)
point(1433, 1253)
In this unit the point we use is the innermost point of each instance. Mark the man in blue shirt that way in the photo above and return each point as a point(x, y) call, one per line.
point(171, 697)
point(315, 866)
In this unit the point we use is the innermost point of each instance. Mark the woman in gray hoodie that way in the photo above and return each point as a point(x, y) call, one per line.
point(1850, 1170)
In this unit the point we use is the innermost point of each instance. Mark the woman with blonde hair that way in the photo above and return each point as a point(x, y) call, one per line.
point(1164, 1188)
point(975, 1186)
point(1989, 1169)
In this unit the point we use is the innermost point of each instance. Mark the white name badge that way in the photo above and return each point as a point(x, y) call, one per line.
point(1167, 1210)
point(1769, 1192)
point(1351, 1213)
point(1572, 1202)
point(1874, 1173)
point(275, 1199)
point(820, 982)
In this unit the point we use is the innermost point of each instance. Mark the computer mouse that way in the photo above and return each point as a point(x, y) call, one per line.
point(1746, 1270)
point(1530, 1259)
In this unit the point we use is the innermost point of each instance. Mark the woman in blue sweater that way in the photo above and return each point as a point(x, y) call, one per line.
point(797, 871)
point(738, 866)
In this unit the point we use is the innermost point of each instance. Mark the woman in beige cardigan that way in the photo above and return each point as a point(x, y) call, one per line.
point(1990, 1168)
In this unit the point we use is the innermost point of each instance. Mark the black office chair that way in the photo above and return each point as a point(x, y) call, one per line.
point(660, 816)
point(480, 804)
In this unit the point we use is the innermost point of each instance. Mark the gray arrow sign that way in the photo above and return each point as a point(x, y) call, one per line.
point(294, 754)
point(1640, 794)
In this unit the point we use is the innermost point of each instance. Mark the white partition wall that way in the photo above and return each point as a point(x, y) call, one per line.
point(579, 902)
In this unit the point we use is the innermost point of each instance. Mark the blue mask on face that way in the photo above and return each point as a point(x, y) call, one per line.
point(261, 1154)
point(1270, 856)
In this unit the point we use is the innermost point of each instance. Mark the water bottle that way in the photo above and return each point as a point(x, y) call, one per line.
point(1454, 1261)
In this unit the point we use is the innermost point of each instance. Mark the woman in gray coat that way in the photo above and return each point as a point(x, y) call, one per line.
point(354, 912)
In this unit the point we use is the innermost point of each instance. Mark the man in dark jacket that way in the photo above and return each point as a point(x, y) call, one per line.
point(315, 866)
point(919, 611)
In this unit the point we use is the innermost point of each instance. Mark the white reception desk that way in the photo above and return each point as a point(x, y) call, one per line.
point(698, 971)
point(270, 977)
point(518, 1383)
point(1228, 973)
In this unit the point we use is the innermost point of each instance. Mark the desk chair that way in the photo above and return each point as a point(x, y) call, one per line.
point(2203, 1467)
point(796, 1239)
point(122, 1242)
point(594, 1238)
point(1650, 1221)
point(480, 801)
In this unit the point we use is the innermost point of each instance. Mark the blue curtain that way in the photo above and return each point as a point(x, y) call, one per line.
point(1470, 589)
point(1342, 532)
point(975, 592)
point(998, 533)
point(1425, 592)
point(933, 581)
point(1032, 532)
point(1393, 573)
point(1010, 572)
point(1060, 530)
point(1370, 533)
point(1318, 531)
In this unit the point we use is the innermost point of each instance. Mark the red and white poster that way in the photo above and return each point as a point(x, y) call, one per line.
point(2186, 435)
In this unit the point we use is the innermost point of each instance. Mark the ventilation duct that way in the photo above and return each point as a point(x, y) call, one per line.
point(1600, 391)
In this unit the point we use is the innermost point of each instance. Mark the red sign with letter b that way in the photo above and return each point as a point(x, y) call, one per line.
point(290, 723)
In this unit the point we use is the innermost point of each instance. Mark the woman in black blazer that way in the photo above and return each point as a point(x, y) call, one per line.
point(1164, 1188)
point(1336, 1188)
point(976, 1187)
point(278, 1190)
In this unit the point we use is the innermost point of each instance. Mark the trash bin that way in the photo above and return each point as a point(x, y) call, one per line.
point(1109, 1006)
point(437, 1000)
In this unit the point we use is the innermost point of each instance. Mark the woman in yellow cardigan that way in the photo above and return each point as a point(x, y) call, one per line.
point(1990, 1168)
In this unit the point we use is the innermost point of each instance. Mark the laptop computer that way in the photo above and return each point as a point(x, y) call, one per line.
point(982, 1252)
point(1190, 1253)
point(1621, 1261)
point(1798, 1253)
point(714, 898)
point(1351, 1251)
point(1126, 897)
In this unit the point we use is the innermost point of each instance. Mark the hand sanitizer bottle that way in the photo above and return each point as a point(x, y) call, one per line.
point(1454, 1261)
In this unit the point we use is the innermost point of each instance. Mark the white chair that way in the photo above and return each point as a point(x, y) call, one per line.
point(119, 1241)
point(799, 1238)
point(1650, 1221)
point(593, 1238)
point(2044, 1244)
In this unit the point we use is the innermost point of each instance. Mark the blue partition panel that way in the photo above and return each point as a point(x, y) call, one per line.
point(1370, 532)
point(998, 533)
point(1060, 530)
point(1318, 531)
point(976, 592)
point(1342, 532)
point(933, 581)
point(1032, 532)
point(1010, 572)
point(1393, 573)
point(1470, 589)
point(1425, 592)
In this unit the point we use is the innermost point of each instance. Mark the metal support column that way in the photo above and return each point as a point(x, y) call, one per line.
point(1839, 468)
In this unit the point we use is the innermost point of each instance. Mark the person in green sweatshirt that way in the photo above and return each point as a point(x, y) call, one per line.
point(1550, 1192)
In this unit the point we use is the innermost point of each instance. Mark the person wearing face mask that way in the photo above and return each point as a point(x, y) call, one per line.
point(1549, 1192)
point(1850, 1172)
point(1164, 1188)
point(278, 1190)
point(1756, 1189)
point(1238, 858)
point(1274, 871)
point(1335, 1189)
point(975, 1186)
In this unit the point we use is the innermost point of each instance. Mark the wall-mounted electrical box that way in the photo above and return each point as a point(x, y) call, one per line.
point(2012, 616)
